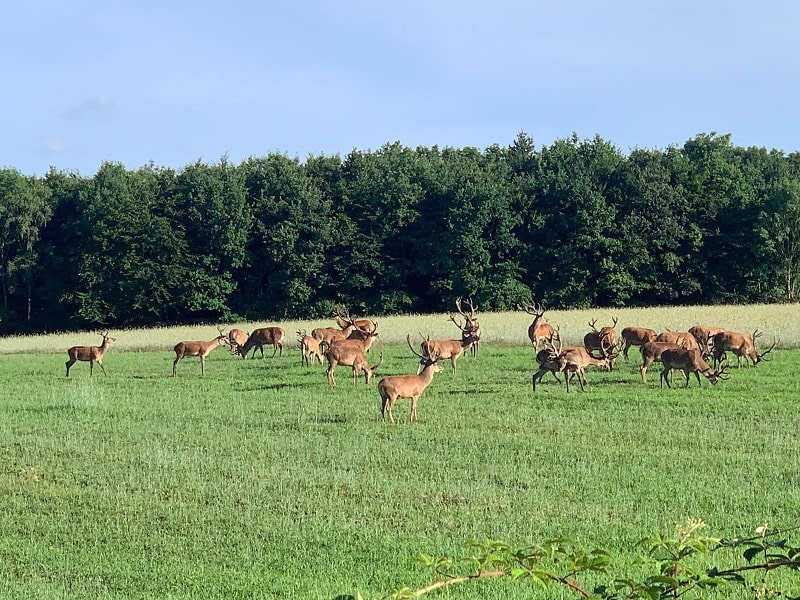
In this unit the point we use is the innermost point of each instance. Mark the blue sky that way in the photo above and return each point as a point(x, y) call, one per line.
point(174, 82)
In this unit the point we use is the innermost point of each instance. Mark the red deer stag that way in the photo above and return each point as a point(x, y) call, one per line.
point(540, 329)
point(684, 339)
point(331, 334)
point(688, 361)
point(264, 337)
point(236, 339)
point(636, 336)
point(603, 340)
point(447, 349)
point(407, 386)
point(471, 328)
point(704, 334)
point(742, 345)
point(651, 352)
point(309, 348)
point(349, 354)
point(548, 359)
point(92, 354)
point(201, 349)
point(573, 361)
point(343, 320)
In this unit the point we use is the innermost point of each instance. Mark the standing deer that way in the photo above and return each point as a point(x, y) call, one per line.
point(349, 355)
point(263, 337)
point(343, 320)
point(573, 361)
point(742, 345)
point(407, 386)
point(92, 354)
point(704, 334)
point(309, 348)
point(330, 334)
point(684, 339)
point(636, 336)
point(540, 329)
point(548, 359)
point(236, 339)
point(201, 349)
point(601, 340)
point(689, 361)
point(651, 352)
point(471, 328)
point(446, 349)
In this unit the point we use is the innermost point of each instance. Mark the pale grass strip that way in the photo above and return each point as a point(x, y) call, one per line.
point(781, 321)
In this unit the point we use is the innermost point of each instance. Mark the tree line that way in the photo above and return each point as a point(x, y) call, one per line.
point(574, 224)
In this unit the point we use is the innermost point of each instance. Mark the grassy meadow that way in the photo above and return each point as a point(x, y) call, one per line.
point(261, 481)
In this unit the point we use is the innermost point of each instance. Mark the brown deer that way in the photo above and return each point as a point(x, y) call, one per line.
point(331, 334)
point(362, 339)
point(92, 354)
point(263, 337)
point(684, 339)
point(573, 361)
point(407, 386)
point(540, 329)
point(236, 339)
point(636, 336)
point(309, 348)
point(651, 352)
point(343, 320)
point(689, 361)
point(201, 349)
point(742, 345)
point(446, 349)
point(548, 359)
point(349, 355)
point(704, 334)
point(601, 340)
point(471, 328)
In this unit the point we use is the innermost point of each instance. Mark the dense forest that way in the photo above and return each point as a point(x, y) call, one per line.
point(574, 224)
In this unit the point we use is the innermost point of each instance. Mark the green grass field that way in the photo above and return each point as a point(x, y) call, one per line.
point(261, 481)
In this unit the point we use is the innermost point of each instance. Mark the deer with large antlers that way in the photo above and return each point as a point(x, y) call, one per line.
point(91, 354)
point(636, 336)
point(601, 340)
point(261, 337)
point(573, 361)
point(704, 334)
point(408, 386)
point(548, 359)
point(447, 349)
point(343, 320)
point(201, 349)
point(471, 328)
point(330, 334)
point(309, 348)
point(540, 329)
point(689, 361)
point(742, 345)
point(236, 339)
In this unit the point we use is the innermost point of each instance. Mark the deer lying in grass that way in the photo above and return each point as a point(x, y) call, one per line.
point(264, 336)
point(689, 361)
point(349, 355)
point(92, 354)
point(407, 386)
point(201, 349)
point(309, 348)
point(636, 336)
point(742, 345)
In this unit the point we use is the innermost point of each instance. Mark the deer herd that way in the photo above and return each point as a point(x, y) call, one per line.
point(348, 344)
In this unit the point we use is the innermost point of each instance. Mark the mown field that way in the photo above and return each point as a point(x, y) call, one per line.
point(261, 481)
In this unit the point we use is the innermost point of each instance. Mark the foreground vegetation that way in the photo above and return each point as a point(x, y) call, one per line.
point(260, 481)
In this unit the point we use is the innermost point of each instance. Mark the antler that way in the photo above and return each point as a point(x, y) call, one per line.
point(532, 308)
point(408, 339)
point(472, 308)
point(550, 343)
point(453, 319)
point(614, 324)
point(592, 324)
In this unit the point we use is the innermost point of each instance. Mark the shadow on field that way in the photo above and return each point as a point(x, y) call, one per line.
point(263, 387)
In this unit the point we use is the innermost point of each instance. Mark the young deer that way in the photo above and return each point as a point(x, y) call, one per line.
point(309, 348)
point(201, 349)
point(407, 386)
point(689, 361)
point(263, 337)
point(92, 354)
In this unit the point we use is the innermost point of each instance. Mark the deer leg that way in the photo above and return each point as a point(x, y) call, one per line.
point(697, 373)
point(413, 409)
point(665, 377)
point(175, 365)
point(202, 366)
point(686, 375)
point(102, 368)
point(91, 367)
point(69, 363)
point(275, 350)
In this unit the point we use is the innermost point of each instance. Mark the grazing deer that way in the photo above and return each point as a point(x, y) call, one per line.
point(446, 349)
point(689, 361)
point(350, 355)
point(309, 348)
point(741, 345)
point(92, 354)
point(201, 349)
point(684, 339)
point(636, 336)
point(407, 386)
point(651, 352)
point(704, 334)
point(236, 339)
point(263, 337)
point(471, 328)
point(540, 329)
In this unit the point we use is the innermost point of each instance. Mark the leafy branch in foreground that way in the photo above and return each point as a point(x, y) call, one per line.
point(678, 565)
